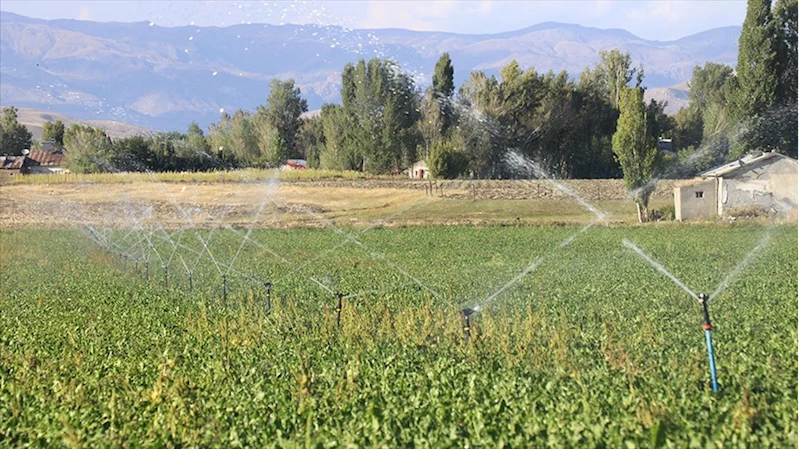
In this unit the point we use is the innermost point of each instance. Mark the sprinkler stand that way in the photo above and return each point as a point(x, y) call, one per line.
point(707, 327)
point(340, 297)
point(268, 287)
point(224, 289)
point(147, 270)
point(166, 276)
point(191, 283)
point(467, 323)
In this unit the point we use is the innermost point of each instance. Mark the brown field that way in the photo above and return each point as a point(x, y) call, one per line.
point(304, 202)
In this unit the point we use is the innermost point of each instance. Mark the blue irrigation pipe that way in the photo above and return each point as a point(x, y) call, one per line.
point(708, 327)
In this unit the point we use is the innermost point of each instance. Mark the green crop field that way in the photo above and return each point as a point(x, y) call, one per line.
point(592, 347)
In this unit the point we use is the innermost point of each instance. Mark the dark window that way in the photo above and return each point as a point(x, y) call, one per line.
point(700, 194)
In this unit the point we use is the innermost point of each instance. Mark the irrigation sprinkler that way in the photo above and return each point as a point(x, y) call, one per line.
point(166, 275)
point(224, 289)
point(707, 327)
point(268, 287)
point(467, 322)
point(147, 270)
point(340, 297)
point(191, 282)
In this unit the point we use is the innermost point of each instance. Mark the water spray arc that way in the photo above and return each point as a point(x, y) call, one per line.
point(704, 299)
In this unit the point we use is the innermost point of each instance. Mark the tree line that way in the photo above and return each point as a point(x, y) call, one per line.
point(592, 126)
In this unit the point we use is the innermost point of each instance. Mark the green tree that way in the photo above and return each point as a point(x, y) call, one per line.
point(616, 73)
point(283, 109)
point(431, 122)
point(54, 131)
point(133, 154)
point(444, 77)
point(14, 137)
point(710, 84)
point(339, 152)
point(785, 31)
point(447, 162)
point(688, 124)
point(382, 108)
point(196, 139)
point(311, 140)
point(635, 148)
point(784, 121)
point(88, 150)
point(756, 72)
point(235, 138)
point(443, 89)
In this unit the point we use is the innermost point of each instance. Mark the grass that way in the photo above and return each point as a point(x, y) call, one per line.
point(594, 349)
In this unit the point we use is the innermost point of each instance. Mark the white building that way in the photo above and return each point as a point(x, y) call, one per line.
point(419, 170)
point(765, 181)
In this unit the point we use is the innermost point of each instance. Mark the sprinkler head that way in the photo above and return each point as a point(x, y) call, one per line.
point(467, 312)
point(703, 297)
point(268, 287)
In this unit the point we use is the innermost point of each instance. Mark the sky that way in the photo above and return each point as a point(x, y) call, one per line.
point(654, 20)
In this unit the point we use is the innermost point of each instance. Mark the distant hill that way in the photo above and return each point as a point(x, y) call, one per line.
point(34, 120)
point(163, 78)
point(676, 97)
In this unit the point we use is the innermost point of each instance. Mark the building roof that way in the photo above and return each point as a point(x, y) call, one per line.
point(12, 162)
point(745, 161)
point(47, 159)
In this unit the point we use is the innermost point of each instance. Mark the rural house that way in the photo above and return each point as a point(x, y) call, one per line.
point(419, 170)
point(11, 166)
point(765, 181)
point(44, 162)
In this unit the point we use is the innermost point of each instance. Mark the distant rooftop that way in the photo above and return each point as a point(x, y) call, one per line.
point(749, 159)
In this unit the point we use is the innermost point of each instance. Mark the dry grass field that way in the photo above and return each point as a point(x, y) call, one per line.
point(286, 203)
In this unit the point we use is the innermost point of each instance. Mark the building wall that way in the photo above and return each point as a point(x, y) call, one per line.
point(770, 185)
point(47, 170)
point(6, 173)
point(414, 171)
point(688, 207)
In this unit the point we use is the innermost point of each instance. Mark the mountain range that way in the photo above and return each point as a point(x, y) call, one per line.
point(163, 78)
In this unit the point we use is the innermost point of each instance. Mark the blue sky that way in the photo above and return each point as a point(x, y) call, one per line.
point(657, 20)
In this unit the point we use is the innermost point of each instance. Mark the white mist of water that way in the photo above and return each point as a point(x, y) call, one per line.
point(529, 269)
point(323, 286)
point(659, 267)
point(351, 237)
point(566, 242)
point(528, 166)
point(731, 276)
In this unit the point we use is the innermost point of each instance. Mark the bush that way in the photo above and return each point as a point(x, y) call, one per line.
point(665, 213)
point(447, 162)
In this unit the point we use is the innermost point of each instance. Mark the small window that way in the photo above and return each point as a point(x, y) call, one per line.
point(700, 194)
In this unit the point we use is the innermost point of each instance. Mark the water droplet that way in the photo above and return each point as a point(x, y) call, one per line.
point(214, 74)
point(152, 23)
point(191, 38)
point(221, 111)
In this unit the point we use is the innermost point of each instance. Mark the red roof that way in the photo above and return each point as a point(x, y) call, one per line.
point(12, 162)
point(47, 159)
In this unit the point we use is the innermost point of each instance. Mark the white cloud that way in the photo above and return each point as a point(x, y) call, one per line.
point(383, 14)
point(84, 13)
